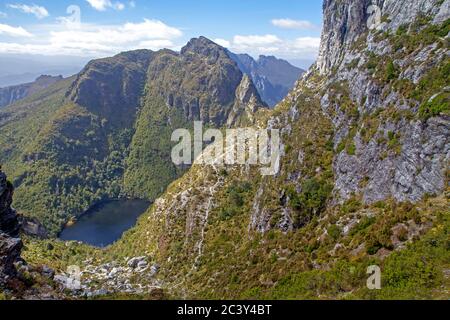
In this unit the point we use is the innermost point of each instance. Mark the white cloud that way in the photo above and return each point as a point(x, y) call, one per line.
point(156, 44)
point(73, 20)
point(253, 40)
point(99, 40)
point(116, 38)
point(293, 24)
point(307, 43)
point(132, 4)
point(119, 6)
point(38, 11)
point(14, 31)
point(102, 5)
point(3, 15)
point(299, 48)
point(222, 42)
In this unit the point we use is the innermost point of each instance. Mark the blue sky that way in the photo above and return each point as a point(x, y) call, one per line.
point(288, 29)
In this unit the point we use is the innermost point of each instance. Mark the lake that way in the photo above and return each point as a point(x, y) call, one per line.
point(104, 223)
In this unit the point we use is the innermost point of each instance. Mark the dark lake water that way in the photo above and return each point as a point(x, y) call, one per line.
point(104, 223)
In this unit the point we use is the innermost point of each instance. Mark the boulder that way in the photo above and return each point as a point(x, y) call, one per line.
point(134, 262)
point(10, 243)
point(10, 249)
point(9, 223)
point(32, 227)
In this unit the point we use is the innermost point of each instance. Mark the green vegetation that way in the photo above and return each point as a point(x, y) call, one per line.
point(105, 133)
point(408, 39)
point(230, 233)
point(277, 265)
point(352, 205)
point(372, 62)
point(148, 167)
point(310, 202)
point(435, 106)
point(414, 273)
point(235, 197)
point(391, 72)
point(420, 33)
point(334, 232)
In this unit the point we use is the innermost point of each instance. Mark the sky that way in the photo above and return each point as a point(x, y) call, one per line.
point(288, 29)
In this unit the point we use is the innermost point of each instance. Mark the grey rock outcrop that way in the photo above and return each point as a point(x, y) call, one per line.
point(345, 21)
point(32, 227)
point(9, 223)
point(247, 102)
point(111, 87)
point(10, 249)
point(418, 167)
point(10, 243)
point(201, 81)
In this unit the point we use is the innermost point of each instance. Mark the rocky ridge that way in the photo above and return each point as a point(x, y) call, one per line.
point(16, 277)
point(273, 77)
point(363, 148)
point(9, 95)
point(363, 145)
point(112, 124)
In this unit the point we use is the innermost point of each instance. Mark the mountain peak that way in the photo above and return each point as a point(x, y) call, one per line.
point(203, 46)
point(246, 92)
point(135, 55)
point(270, 58)
point(272, 77)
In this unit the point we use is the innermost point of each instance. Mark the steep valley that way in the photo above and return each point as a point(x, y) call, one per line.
point(362, 179)
point(105, 133)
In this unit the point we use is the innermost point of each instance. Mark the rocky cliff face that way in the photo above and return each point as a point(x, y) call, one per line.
point(364, 142)
point(201, 83)
point(273, 77)
point(345, 21)
point(18, 280)
point(9, 95)
point(111, 88)
point(10, 243)
point(417, 166)
point(8, 218)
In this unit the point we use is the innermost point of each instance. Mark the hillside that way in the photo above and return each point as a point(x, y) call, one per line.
point(363, 178)
point(198, 84)
point(105, 133)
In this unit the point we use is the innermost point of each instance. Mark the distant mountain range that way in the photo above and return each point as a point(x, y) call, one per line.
point(9, 95)
point(19, 69)
point(273, 77)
